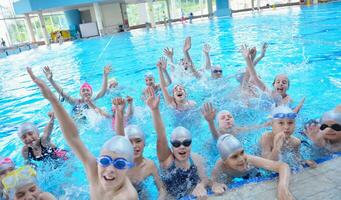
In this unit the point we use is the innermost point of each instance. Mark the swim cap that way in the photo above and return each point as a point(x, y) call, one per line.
point(227, 144)
point(86, 85)
point(120, 145)
point(222, 112)
point(180, 132)
point(133, 131)
point(6, 163)
point(281, 112)
point(18, 178)
point(27, 127)
point(148, 74)
point(331, 115)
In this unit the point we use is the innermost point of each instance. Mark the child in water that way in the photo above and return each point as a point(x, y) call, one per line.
point(39, 148)
point(107, 174)
point(21, 184)
point(6, 165)
point(143, 167)
point(225, 122)
point(235, 163)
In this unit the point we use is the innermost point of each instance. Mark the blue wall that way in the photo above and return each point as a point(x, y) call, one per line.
point(73, 18)
point(26, 6)
point(223, 8)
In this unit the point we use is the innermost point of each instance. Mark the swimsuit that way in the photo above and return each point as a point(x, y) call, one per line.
point(46, 153)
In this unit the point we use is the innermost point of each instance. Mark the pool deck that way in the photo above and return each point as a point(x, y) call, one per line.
point(322, 183)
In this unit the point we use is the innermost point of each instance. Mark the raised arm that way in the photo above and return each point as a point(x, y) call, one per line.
point(312, 130)
point(45, 139)
point(299, 106)
point(169, 99)
point(164, 153)
point(187, 47)
point(252, 127)
point(169, 52)
point(165, 72)
point(281, 168)
point(253, 74)
point(209, 113)
point(49, 76)
point(206, 51)
point(120, 104)
point(130, 110)
point(107, 70)
point(255, 62)
point(67, 125)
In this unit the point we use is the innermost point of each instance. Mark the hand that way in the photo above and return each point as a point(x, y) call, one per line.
point(168, 52)
point(162, 64)
point(312, 129)
point(51, 115)
point(219, 188)
point(279, 141)
point(200, 191)
point(265, 45)
point(152, 101)
point(120, 104)
point(245, 51)
point(208, 111)
point(312, 164)
point(107, 69)
point(188, 44)
point(42, 86)
point(47, 72)
point(129, 99)
point(284, 193)
point(206, 48)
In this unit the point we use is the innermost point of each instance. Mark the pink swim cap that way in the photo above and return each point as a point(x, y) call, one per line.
point(86, 85)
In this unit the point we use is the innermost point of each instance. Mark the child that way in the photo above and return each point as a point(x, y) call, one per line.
point(38, 148)
point(150, 82)
point(21, 184)
point(178, 101)
point(235, 163)
point(143, 167)
point(327, 134)
point(182, 172)
point(107, 173)
point(225, 122)
point(6, 166)
point(280, 141)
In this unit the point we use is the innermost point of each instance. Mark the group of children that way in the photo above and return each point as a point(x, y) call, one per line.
point(120, 169)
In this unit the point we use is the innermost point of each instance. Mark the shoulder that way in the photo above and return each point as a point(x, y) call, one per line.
point(266, 138)
point(46, 196)
point(197, 159)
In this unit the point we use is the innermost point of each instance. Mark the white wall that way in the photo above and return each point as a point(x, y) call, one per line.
point(111, 14)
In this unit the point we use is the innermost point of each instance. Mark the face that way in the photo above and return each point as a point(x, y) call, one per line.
point(181, 153)
point(284, 125)
point(281, 84)
point(86, 93)
point(216, 72)
point(28, 192)
point(179, 93)
point(111, 178)
point(149, 81)
point(237, 161)
point(225, 120)
point(329, 133)
point(30, 138)
point(138, 145)
point(113, 84)
point(185, 64)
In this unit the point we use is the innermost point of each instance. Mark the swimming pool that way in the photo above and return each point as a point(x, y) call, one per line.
point(304, 42)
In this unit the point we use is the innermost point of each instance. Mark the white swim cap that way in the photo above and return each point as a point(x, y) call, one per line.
point(222, 112)
point(27, 127)
point(331, 115)
point(180, 132)
point(227, 144)
point(133, 131)
point(120, 145)
point(148, 74)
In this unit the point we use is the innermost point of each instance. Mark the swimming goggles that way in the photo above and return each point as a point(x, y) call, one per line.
point(20, 176)
point(185, 143)
point(118, 163)
point(217, 71)
point(284, 116)
point(335, 127)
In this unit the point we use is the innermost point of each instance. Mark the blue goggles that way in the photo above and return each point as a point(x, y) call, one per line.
point(284, 116)
point(118, 163)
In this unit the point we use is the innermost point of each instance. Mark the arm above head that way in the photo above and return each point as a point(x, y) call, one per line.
point(206, 51)
point(67, 125)
point(299, 106)
point(45, 139)
point(162, 62)
point(253, 74)
point(281, 168)
point(48, 73)
point(209, 113)
point(130, 109)
point(107, 70)
point(164, 153)
point(119, 115)
point(255, 62)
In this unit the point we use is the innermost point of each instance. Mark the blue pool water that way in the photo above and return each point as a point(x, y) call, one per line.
point(304, 42)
